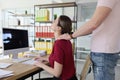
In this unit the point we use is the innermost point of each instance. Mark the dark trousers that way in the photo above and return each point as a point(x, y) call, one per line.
point(54, 78)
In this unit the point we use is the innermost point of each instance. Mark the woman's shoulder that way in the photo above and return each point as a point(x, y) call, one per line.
point(62, 42)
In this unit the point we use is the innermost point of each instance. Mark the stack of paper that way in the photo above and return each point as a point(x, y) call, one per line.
point(5, 73)
point(5, 65)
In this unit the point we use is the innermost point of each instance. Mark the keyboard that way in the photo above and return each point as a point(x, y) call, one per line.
point(20, 59)
point(31, 62)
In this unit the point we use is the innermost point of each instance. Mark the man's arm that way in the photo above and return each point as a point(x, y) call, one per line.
point(98, 17)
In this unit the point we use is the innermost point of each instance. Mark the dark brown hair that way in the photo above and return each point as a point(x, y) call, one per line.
point(65, 23)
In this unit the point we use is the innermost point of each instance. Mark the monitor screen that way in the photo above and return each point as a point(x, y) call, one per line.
point(15, 39)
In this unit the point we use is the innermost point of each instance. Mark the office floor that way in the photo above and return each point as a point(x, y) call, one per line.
point(79, 68)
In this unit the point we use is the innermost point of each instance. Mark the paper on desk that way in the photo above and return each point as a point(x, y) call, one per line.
point(5, 65)
point(5, 73)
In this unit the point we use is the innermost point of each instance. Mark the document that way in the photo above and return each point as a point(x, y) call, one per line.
point(5, 65)
point(5, 73)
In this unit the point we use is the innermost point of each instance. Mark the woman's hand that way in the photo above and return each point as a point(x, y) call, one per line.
point(38, 58)
point(42, 59)
point(38, 63)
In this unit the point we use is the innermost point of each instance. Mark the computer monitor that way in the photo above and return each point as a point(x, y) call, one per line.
point(14, 41)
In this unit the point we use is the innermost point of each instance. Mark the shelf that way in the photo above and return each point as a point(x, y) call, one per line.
point(23, 15)
point(83, 51)
point(51, 21)
point(81, 60)
point(31, 36)
point(22, 25)
point(46, 37)
point(56, 5)
point(44, 21)
point(46, 14)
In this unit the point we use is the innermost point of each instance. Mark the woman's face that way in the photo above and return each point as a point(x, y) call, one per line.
point(54, 25)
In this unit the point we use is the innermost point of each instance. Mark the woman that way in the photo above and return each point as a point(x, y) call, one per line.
point(61, 59)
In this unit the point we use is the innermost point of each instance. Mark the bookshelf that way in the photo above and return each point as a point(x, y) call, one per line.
point(43, 18)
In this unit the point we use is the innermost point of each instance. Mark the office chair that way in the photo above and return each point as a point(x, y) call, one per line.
point(86, 68)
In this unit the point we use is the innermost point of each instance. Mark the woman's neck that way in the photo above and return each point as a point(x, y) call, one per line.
point(57, 35)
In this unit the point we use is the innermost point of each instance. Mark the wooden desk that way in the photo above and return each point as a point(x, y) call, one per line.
point(21, 71)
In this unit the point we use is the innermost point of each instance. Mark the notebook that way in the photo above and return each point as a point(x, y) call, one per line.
point(5, 73)
point(5, 65)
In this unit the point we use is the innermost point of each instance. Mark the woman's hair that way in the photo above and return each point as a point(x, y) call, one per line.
point(65, 23)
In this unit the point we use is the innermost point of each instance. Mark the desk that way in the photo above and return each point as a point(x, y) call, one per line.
point(21, 71)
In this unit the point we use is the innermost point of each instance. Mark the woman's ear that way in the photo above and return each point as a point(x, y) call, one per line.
point(59, 28)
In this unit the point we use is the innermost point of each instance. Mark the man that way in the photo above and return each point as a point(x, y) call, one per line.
point(105, 45)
